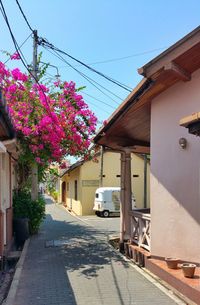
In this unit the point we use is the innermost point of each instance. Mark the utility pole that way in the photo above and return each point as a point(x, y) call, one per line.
point(34, 169)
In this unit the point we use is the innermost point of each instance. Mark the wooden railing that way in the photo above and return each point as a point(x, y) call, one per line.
point(140, 228)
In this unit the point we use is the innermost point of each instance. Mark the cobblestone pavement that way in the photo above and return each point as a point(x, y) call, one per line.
point(70, 262)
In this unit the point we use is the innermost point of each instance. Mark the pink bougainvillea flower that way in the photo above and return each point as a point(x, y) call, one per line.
point(18, 75)
point(64, 165)
point(49, 124)
point(15, 56)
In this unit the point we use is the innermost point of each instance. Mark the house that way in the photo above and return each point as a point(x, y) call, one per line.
point(7, 177)
point(80, 181)
point(148, 121)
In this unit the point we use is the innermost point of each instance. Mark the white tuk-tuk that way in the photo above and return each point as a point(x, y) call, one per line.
point(107, 200)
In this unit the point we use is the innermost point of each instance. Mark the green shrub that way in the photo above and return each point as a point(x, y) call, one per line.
point(55, 195)
point(23, 206)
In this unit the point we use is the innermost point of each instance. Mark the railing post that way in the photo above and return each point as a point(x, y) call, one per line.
point(140, 226)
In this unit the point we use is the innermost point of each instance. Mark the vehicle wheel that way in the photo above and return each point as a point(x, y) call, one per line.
point(105, 213)
point(98, 213)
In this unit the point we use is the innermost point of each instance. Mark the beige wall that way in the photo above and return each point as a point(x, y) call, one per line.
point(71, 203)
point(89, 172)
point(112, 168)
point(88, 178)
point(175, 174)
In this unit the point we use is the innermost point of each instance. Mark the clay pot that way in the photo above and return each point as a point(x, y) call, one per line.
point(171, 262)
point(188, 269)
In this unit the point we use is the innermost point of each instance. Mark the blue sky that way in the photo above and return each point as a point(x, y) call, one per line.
point(95, 31)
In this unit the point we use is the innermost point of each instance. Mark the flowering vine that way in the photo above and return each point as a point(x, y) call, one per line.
point(49, 124)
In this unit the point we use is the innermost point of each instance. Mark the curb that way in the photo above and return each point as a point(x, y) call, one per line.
point(10, 300)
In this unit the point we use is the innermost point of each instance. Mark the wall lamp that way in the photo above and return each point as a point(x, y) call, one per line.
point(183, 143)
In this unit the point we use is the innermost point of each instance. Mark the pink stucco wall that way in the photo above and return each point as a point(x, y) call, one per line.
point(175, 174)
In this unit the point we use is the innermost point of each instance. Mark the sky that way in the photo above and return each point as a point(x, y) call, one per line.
point(113, 36)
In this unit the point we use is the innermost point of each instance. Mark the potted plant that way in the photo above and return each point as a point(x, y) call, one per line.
point(188, 269)
point(172, 263)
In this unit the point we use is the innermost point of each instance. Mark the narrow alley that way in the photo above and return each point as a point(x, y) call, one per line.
point(70, 262)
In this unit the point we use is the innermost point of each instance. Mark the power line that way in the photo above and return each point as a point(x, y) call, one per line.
point(2, 9)
point(98, 100)
point(89, 102)
point(20, 46)
point(20, 8)
point(52, 47)
point(90, 80)
point(83, 92)
point(17, 48)
point(23, 60)
point(125, 87)
point(124, 57)
point(44, 41)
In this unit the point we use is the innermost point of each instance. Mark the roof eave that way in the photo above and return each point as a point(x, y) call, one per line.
point(178, 45)
point(133, 97)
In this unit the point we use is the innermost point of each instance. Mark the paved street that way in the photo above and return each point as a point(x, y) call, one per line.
point(70, 263)
point(110, 225)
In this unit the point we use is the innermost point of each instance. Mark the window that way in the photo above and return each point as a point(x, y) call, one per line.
point(75, 190)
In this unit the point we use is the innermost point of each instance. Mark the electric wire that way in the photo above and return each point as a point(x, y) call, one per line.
point(124, 57)
point(22, 58)
point(44, 41)
point(17, 48)
point(83, 92)
point(51, 46)
point(90, 80)
point(125, 87)
point(2, 9)
point(20, 46)
point(98, 100)
point(95, 105)
point(25, 18)
point(85, 76)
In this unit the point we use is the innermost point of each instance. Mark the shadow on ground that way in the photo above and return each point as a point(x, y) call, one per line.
point(86, 248)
